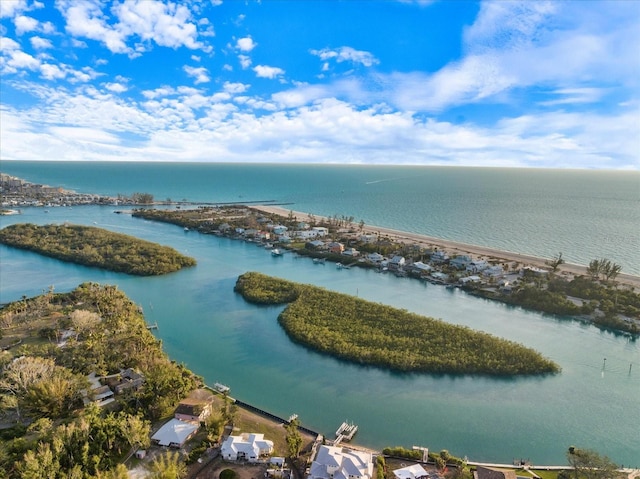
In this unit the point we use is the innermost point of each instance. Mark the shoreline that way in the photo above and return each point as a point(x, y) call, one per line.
point(457, 247)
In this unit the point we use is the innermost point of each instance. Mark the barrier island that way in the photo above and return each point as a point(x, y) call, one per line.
point(373, 334)
point(92, 246)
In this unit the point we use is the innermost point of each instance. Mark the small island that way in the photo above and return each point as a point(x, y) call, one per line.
point(91, 246)
point(373, 334)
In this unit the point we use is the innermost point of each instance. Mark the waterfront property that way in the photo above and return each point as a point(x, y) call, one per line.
point(196, 407)
point(333, 462)
point(483, 472)
point(414, 471)
point(248, 447)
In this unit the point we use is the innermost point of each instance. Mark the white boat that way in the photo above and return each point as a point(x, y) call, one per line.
point(318, 260)
point(276, 252)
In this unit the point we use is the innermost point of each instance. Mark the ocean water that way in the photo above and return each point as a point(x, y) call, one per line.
point(211, 329)
point(582, 213)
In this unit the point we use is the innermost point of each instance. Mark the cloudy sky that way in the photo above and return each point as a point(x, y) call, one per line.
point(531, 83)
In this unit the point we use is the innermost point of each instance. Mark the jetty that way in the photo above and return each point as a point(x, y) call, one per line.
point(345, 432)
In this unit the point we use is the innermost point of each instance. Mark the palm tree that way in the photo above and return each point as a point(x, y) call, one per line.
point(168, 466)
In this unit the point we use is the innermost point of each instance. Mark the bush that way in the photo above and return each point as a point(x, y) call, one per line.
point(228, 474)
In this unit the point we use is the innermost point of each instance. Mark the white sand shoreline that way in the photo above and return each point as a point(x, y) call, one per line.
point(456, 247)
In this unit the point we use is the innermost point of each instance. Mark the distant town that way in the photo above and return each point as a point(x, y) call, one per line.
point(16, 193)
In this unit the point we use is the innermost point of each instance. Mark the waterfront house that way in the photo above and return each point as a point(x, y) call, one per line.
point(460, 261)
point(351, 252)
point(335, 247)
point(375, 257)
point(315, 245)
point(477, 266)
point(469, 279)
point(414, 471)
point(263, 236)
point(196, 407)
point(439, 257)
point(440, 277)
point(302, 225)
point(174, 433)
point(493, 473)
point(420, 268)
point(279, 229)
point(397, 262)
point(248, 447)
point(333, 462)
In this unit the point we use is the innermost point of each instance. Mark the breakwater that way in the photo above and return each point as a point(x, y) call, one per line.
point(267, 414)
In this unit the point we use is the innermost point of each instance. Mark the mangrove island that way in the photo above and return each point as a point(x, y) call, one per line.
point(91, 246)
point(373, 334)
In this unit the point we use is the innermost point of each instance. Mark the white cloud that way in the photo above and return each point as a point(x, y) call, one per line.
point(264, 71)
point(116, 87)
point(25, 24)
point(12, 7)
point(343, 54)
point(200, 74)
point(245, 61)
point(167, 25)
point(195, 58)
point(575, 95)
point(51, 72)
point(235, 87)
point(245, 44)
point(40, 43)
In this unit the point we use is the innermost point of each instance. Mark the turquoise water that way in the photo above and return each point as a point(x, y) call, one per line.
point(204, 324)
point(583, 214)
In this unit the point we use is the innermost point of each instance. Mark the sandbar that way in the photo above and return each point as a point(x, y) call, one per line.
point(456, 247)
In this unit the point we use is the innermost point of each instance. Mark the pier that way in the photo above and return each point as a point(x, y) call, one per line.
point(345, 432)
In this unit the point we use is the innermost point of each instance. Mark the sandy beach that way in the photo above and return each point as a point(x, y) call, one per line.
point(454, 247)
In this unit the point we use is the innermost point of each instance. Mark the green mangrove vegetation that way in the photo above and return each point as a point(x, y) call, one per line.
point(91, 246)
point(59, 431)
point(374, 334)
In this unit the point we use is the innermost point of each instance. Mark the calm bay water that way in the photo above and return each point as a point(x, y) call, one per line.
point(204, 324)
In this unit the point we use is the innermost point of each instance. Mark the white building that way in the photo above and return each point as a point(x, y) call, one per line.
point(336, 463)
point(174, 433)
point(369, 238)
point(321, 230)
point(249, 447)
point(477, 266)
point(414, 471)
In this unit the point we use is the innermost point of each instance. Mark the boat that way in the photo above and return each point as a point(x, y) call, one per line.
point(268, 246)
point(186, 228)
point(276, 252)
point(221, 388)
point(318, 260)
point(339, 265)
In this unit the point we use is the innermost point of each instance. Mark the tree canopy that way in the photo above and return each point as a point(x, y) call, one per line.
point(91, 246)
point(374, 334)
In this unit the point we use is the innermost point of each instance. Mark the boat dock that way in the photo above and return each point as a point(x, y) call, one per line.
point(345, 432)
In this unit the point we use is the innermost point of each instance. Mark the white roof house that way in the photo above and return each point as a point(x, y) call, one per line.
point(174, 433)
point(375, 257)
point(414, 471)
point(336, 463)
point(247, 446)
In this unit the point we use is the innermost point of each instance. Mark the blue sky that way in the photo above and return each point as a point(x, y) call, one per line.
point(531, 83)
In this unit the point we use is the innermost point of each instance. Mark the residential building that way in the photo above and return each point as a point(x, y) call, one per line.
point(174, 433)
point(249, 447)
point(335, 247)
point(460, 261)
point(197, 407)
point(333, 462)
point(414, 471)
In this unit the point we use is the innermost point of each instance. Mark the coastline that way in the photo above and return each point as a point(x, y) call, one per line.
point(456, 247)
